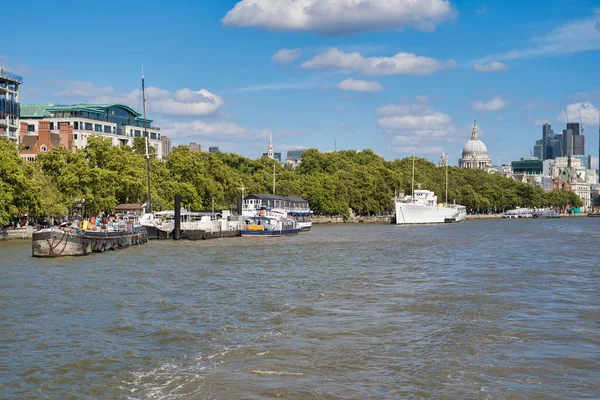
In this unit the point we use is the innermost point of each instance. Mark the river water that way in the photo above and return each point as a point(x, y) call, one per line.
point(481, 310)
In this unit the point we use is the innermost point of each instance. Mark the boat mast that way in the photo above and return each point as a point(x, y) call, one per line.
point(149, 208)
point(447, 180)
point(273, 176)
point(413, 179)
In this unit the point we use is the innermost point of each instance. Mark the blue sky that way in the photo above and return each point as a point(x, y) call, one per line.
point(353, 74)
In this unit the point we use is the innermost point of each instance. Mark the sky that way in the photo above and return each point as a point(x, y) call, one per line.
point(393, 76)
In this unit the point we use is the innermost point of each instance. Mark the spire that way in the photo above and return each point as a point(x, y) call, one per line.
point(270, 153)
point(474, 135)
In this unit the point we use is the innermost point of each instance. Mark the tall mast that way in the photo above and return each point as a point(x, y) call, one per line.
point(273, 176)
point(146, 137)
point(413, 179)
point(447, 180)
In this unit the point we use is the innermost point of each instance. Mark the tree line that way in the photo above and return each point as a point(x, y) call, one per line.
point(103, 176)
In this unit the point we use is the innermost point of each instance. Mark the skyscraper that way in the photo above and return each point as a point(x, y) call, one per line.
point(538, 149)
point(547, 136)
point(567, 142)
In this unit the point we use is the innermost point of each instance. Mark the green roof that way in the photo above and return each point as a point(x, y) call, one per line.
point(45, 110)
point(35, 110)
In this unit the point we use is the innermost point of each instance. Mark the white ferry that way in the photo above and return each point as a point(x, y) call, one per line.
point(422, 208)
point(279, 206)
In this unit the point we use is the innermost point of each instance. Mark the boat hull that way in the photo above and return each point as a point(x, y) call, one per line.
point(58, 243)
point(197, 234)
point(257, 233)
point(407, 213)
point(155, 233)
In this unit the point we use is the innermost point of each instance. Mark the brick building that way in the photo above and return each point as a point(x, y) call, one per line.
point(45, 140)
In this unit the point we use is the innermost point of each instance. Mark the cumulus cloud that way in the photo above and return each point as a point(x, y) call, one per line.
point(339, 17)
point(416, 127)
point(401, 63)
point(224, 131)
point(360, 86)
point(85, 90)
point(494, 66)
point(589, 113)
point(286, 56)
point(495, 104)
point(183, 102)
point(573, 37)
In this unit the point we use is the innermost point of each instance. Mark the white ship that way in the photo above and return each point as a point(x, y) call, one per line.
point(422, 206)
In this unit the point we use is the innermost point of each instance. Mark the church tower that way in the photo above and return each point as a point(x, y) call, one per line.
point(270, 153)
point(443, 160)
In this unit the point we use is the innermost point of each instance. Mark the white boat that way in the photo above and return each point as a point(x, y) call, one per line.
point(518, 213)
point(280, 207)
point(422, 207)
point(268, 225)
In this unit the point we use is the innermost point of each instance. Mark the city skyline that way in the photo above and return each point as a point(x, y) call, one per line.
point(395, 80)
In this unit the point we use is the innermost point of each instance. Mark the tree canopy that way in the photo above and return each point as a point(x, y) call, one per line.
point(104, 176)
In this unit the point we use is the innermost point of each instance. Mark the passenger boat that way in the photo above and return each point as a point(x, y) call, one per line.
point(518, 213)
point(268, 225)
point(287, 206)
point(546, 214)
point(69, 240)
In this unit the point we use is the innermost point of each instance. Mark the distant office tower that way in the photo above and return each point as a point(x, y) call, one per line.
point(578, 138)
point(195, 147)
point(538, 149)
point(295, 155)
point(567, 136)
point(574, 126)
point(556, 146)
point(547, 136)
point(213, 149)
point(166, 146)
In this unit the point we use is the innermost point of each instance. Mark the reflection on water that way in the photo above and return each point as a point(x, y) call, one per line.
point(484, 309)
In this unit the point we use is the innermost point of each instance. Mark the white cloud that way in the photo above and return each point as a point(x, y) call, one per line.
point(337, 17)
point(494, 66)
point(495, 104)
point(481, 10)
point(285, 56)
point(85, 90)
point(183, 102)
point(416, 127)
point(303, 85)
point(573, 37)
point(401, 63)
point(224, 131)
point(360, 86)
point(589, 113)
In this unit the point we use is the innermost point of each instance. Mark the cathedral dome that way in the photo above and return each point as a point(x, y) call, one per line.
point(474, 146)
point(475, 154)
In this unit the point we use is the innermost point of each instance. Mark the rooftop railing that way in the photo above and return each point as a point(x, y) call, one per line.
point(10, 76)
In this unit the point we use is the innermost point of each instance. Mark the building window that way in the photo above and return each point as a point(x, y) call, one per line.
point(159, 136)
point(75, 136)
point(76, 125)
point(153, 135)
point(138, 133)
point(43, 148)
point(30, 128)
point(88, 126)
point(51, 126)
point(107, 129)
point(97, 128)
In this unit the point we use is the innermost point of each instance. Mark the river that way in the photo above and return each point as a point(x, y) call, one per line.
point(497, 309)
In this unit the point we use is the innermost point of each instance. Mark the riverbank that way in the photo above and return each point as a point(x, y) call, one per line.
point(25, 232)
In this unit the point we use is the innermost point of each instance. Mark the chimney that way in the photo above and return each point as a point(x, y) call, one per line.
point(23, 131)
point(66, 135)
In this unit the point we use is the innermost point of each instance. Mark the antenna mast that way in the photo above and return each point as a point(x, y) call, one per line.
point(447, 179)
point(580, 121)
point(149, 208)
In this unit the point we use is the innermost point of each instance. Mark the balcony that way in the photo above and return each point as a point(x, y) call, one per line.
point(10, 76)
